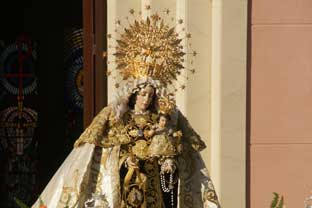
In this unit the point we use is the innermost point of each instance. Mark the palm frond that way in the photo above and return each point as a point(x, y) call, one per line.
point(277, 202)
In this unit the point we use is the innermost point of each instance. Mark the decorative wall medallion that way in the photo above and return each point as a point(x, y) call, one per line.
point(74, 67)
point(17, 129)
point(17, 68)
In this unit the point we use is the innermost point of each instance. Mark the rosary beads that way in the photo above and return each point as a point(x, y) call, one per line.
point(170, 186)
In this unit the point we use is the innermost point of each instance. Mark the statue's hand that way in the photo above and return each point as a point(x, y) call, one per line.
point(168, 166)
point(149, 133)
point(132, 161)
point(177, 134)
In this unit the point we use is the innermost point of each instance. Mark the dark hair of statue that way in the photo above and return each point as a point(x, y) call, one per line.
point(163, 115)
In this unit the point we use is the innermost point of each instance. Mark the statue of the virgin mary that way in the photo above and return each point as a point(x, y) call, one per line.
point(139, 151)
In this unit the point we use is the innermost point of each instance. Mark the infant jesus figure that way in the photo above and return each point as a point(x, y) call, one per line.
point(165, 142)
point(165, 146)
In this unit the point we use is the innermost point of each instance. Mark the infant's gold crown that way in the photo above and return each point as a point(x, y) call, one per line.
point(166, 104)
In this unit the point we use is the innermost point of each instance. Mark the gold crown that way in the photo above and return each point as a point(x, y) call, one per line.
point(150, 48)
point(166, 104)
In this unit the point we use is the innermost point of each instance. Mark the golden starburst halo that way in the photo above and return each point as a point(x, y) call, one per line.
point(150, 48)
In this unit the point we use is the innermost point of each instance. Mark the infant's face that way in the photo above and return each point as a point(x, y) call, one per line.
point(162, 122)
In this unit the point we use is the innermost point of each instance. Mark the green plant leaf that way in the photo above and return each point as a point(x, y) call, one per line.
point(20, 203)
point(275, 200)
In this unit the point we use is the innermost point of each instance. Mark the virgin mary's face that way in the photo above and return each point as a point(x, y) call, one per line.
point(144, 98)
